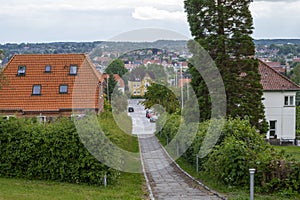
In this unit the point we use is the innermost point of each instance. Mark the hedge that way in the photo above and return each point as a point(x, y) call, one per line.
point(48, 152)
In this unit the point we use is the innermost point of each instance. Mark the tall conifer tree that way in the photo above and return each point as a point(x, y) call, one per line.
point(224, 28)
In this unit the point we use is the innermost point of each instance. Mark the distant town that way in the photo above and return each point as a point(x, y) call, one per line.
point(281, 54)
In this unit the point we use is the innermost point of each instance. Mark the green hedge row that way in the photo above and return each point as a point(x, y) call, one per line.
point(48, 152)
point(239, 148)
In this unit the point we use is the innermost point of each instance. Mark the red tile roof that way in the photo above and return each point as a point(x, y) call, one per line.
point(273, 64)
point(276, 65)
point(83, 91)
point(117, 78)
point(271, 80)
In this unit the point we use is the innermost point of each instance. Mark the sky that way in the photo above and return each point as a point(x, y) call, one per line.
point(102, 20)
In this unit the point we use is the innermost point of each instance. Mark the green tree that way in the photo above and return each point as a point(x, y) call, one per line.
point(1, 54)
point(161, 95)
point(158, 71)
point(110, 86)
point(3, 80)
point(295, 74)
point(116, 67)
point(223, 28)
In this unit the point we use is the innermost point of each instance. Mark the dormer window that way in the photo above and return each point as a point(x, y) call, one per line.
point(73, 70)
point(36, 89)
point(22, 70)
point(47, 68)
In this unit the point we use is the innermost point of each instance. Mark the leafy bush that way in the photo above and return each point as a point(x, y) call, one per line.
point(239, 148)
point(243, 148)
point(48, 152)
point(232, 158)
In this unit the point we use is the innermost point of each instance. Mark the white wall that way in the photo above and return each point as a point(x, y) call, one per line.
point(284, 115)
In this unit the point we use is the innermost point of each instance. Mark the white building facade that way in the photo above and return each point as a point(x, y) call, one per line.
point(280, 104)
point(280, 112)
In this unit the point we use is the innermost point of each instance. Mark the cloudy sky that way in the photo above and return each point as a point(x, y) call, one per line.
point(91, 20)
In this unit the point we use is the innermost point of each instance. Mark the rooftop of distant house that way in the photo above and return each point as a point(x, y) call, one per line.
point(272, 80)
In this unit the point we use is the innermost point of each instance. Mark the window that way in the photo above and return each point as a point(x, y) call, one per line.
point(22, 70)
point(73, 70)
point(63, 89)
point(7, 117)
point(289, 101)
point(47, 69)
point(41, 119)
point(36, 90)
point(272, 129)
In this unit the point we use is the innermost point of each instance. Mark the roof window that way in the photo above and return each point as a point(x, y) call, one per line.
point(73, 69)
point(63, 89)
point(21, 70)
point(47, 68)
point(36, 89)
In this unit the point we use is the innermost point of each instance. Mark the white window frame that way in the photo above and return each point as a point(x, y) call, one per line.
point(289, 100)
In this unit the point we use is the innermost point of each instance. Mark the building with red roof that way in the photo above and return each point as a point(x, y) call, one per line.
point(50, 85)
point(280, 103)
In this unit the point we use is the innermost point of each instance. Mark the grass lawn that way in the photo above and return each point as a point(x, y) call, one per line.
point(129, 187)
point(293, 151)
point(119, 135)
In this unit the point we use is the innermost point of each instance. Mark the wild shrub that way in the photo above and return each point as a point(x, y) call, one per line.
point(239, 148)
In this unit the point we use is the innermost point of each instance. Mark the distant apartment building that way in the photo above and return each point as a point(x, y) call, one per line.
point(139, 81)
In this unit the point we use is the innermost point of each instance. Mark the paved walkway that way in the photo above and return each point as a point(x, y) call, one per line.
point(166, 180)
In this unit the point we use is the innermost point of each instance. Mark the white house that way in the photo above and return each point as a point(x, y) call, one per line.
point(279, 101)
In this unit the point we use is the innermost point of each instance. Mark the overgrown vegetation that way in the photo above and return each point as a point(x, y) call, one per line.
point(239, 148)
point(55, 151)
point(158, 94)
